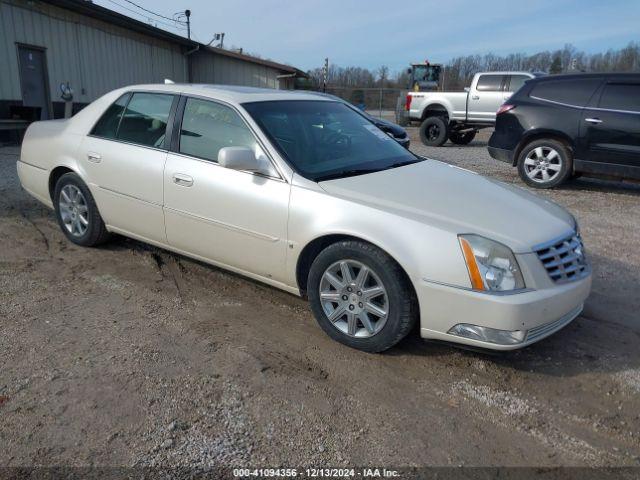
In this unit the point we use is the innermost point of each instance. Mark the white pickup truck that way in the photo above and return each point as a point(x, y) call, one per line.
point(458, 116)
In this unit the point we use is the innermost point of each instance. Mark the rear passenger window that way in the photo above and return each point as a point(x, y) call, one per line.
point(571, 92)
point(516, 82)
point(208, 126)
point(490, 83)
point(619, 96)
point(107, 126)
point(145, 119)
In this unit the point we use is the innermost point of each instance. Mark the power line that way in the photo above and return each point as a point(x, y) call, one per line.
point(150, 11)
point(175, 25)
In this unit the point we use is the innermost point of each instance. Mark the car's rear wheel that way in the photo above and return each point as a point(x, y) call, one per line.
point(434, 131)
point(545, 163)
point(360, 296)
point(462, 138)
point(77, 212)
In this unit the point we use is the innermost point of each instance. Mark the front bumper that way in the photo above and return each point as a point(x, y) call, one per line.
point(501, 154)
point(539, 312)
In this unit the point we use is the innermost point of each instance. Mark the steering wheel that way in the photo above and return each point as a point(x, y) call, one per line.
point(336, 138)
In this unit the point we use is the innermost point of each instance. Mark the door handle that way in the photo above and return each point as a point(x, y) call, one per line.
point(94, 157)
point(593, 120)
point(475, 97)
point(182, 180)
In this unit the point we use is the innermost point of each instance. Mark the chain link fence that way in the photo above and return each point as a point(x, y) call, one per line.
point(379, 102)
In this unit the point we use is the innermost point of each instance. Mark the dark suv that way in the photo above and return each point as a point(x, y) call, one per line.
point(559, 126)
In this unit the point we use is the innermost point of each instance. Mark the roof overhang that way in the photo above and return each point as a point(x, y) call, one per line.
point(286, 69)
point(92, 10)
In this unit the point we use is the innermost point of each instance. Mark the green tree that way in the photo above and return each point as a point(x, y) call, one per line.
point(556, 66)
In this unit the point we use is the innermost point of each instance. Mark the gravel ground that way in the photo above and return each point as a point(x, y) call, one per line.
point(131, 356)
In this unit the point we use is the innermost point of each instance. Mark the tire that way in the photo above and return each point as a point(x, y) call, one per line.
point(540, 167)
point(77, 212)
point(462, 138)
point(434, 131)
point(371, 332)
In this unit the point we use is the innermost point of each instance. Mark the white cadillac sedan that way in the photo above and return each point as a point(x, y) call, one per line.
point(305, 194)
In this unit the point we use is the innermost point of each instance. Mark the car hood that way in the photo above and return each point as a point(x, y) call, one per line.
point(386, 126)
point(452, 198)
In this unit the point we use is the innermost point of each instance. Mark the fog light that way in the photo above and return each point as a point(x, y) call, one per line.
point(486, 334)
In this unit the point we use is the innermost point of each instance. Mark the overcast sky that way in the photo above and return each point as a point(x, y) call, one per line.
point(370, 33)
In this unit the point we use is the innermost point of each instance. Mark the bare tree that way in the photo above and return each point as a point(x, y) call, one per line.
point(383, 75)
point(460, 70)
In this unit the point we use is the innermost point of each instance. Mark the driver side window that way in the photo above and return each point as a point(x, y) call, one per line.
point(209, 126)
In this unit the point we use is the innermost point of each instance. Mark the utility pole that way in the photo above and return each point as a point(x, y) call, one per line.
point(325, 73)
point(187, 13)
point(217, 37)
point(574, 64)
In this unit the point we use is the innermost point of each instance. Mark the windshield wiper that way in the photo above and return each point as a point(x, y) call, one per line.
point(361, 171)
point(346, 173)
point(402, 164)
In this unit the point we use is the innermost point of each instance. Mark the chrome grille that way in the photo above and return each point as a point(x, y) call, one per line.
point(564, 259)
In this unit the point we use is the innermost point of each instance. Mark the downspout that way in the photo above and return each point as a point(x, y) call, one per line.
point(187, 54)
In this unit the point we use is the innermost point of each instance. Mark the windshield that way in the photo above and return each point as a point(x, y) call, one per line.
point(427, 73)
point(323, 140)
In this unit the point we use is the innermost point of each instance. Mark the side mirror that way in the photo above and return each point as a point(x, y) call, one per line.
point(239, 158)
point(467, 89)
point(408, 71)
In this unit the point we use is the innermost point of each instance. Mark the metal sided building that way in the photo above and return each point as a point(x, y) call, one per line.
point(46, 43)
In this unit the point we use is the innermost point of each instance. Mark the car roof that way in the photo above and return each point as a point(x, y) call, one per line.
point(507, 72)
point(577, 76)
point(231, 93)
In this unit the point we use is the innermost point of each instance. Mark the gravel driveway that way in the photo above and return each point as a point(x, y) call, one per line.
point(130, 355)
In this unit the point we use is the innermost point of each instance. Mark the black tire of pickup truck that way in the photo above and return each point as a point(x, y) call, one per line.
point(434, 131)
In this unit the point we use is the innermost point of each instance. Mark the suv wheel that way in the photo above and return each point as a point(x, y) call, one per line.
point(361, 297)
point(77, 212)
point(434, 131)
point(545, 163)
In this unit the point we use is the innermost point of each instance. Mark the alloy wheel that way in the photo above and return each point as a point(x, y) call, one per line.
point(354, 299)
point(74, 210)
point(543, 164)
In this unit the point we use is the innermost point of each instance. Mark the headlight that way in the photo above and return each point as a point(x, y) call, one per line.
point(492, 266)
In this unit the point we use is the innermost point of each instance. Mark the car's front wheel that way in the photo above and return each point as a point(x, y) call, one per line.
point(77, 212)
point(545, 163)
point(360, 296)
